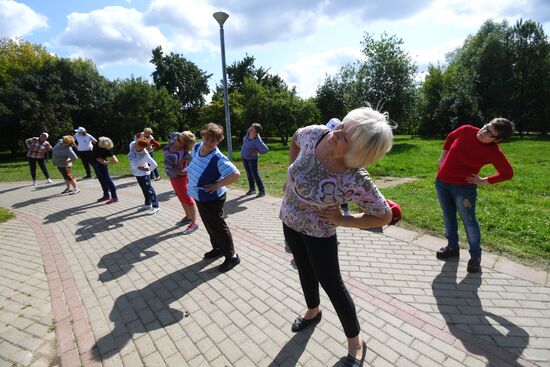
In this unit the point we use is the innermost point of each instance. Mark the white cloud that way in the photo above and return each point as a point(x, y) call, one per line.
point(435, 55)
point(310, 70)
point(18, 19)
point(111, 35)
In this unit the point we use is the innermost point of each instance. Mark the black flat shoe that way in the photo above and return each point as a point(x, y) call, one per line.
point(213, 254)
point(354, 362)
point(447, 252)
point(300, 323)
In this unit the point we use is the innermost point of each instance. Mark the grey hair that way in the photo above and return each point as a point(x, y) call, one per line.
point(46, 135)
point(105, 142)
point(372, 136)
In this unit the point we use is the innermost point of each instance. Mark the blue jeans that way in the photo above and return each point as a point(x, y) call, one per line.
point(461, 198)
point(148, 191)
point(251, 168)
point(107, 185)
point(154, 173)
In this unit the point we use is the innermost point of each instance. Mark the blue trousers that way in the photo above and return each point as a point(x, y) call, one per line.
point(251, 168)
point(107, 184)
point(461, 199)
point(148, 191)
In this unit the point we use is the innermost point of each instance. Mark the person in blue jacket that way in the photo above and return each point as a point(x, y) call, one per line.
point(253, 146)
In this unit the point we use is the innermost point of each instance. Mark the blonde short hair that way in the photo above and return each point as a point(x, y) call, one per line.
point(187, 139)
point(105, 142)
point(68, 139)
point(372, 136)
point(148, 130)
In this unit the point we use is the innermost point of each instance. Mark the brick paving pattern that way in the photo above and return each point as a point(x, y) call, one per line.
point(121, 288)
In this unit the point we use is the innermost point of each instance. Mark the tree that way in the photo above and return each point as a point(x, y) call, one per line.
point(530, 96)
point(182, 79)
point(330, 99)
point(386, 78)
point(138, 104)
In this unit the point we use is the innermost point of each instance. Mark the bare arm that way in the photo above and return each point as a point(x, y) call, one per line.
point(294, 149)
point(226, 181)
point(356, 220)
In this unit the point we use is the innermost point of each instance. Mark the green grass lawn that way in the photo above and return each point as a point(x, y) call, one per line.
point(514, 215)
point(5, 215)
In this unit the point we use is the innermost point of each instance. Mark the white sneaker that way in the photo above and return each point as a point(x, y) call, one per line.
point(153, 210)
point(143, 207)
point(34, 183)
point(75, 191)
point(49, 181)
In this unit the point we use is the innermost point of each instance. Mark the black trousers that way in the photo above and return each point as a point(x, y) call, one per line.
point(42, 163)
point(317, 262)
point(212, 216)
point(87, 157)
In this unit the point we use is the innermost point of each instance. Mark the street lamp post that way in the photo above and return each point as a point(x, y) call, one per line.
point(221, 17)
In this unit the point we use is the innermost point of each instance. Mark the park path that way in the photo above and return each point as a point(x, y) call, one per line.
point(83, 283)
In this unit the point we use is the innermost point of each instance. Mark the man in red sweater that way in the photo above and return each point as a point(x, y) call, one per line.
point(466, 150)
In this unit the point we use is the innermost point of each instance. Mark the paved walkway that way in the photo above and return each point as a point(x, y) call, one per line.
point(83, 283)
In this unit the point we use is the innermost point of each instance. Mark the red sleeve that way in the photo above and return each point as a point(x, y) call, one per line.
point(504, 168)
point(452, 136)
point(155, 143)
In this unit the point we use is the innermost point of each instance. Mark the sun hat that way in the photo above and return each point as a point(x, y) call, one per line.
point(80, 130)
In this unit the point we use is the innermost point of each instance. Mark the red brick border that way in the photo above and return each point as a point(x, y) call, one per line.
point(74, 336)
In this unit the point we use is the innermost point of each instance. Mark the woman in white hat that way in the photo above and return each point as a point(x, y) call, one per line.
point(85, 146)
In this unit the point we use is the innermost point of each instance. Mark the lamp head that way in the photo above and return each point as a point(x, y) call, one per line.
point(220, 17)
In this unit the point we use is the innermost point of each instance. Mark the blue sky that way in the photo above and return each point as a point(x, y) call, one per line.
point(301, 40)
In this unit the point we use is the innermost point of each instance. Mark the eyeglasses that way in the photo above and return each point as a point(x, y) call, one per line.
point(488, 131)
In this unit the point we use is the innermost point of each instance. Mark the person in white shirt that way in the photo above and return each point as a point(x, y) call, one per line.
point(142, 164)
point(85, 146)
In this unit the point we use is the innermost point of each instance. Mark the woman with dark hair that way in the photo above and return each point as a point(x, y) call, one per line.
point(37, 151)
point(252, 147)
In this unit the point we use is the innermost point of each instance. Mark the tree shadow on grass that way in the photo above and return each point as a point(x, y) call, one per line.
point(148, 309)
point(120, 262)
point(460, 306)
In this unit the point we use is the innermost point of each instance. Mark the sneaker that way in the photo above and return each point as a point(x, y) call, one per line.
point(75, 191)
point(104, 198)
point(190, 229)
point(86, 177)
point(49, 180)
point(183, 222)
point(213, 254)
point(230, 263)
point(66, 191)
point(346, 212)
point(474, 266)
point(260, 194)
point(157, 178)
point(143, 208)
point(250, 192)
point(112, 201)
point(34, 183)
point(447, 252)
point(153, 210)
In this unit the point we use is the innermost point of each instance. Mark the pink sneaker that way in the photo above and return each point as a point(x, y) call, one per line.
point(190, 229)
point(112, 201)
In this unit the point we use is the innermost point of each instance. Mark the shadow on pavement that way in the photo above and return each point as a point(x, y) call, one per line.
point(148, 309)
point(91, 226)
point(120, 262)
point(65, 213)
point(293, 349)
point(234, 205)
point(460, 306)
